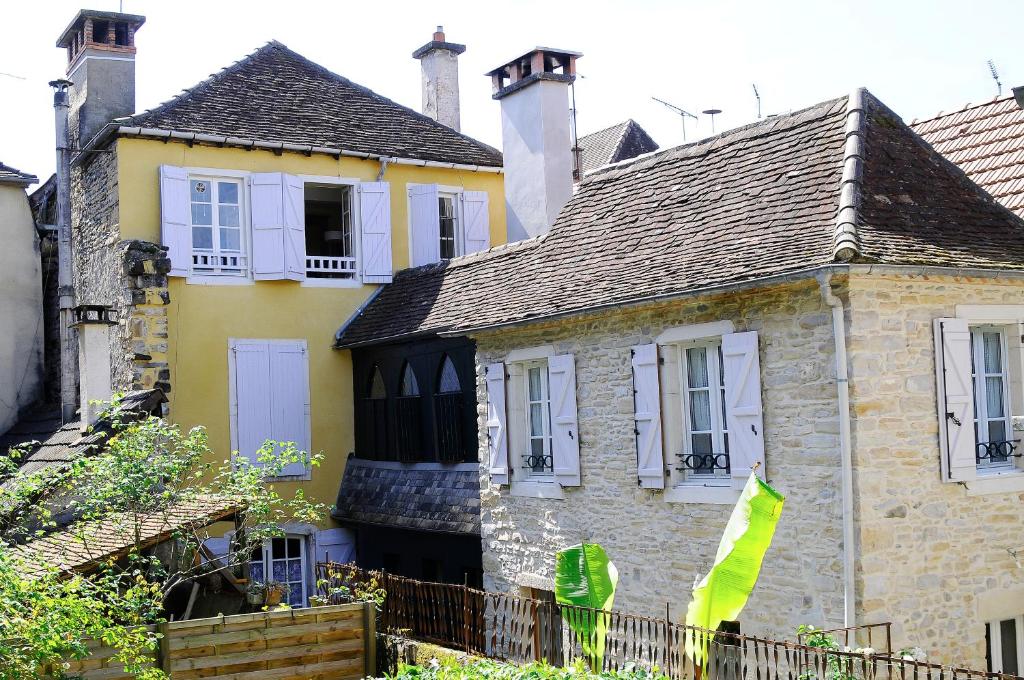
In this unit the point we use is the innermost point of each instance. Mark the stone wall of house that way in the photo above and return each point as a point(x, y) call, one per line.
point(933, 559)
point(130, 276)
point(660, 548)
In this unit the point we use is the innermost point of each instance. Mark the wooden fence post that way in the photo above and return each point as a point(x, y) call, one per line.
point(163, 652)
point(370, 639)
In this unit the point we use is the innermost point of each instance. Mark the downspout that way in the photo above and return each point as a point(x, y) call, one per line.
point(845, 448)
point(65, 277)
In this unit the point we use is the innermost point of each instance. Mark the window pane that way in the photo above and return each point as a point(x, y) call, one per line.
point(536, 420)
point(228, 215)
point(1008, 638)
point(200, 191)
point(410, 388)
point(294, 547)
point(997, 433)
point(700, 410)
point(295, 596)
point(535, 384)
point(993, 353)
point(277, 548)
point(256, 572)
point(230, 239)
point(279, 570)
point(377, 390)
point(697, 367)
point(449, 378)
point(227, 192)
point(994, 396)
point(702, 443)
point(202, 237)
point(537, 448)
point(295, 570)
point(202, 214)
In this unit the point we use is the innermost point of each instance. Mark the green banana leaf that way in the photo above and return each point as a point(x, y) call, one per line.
point(585, 579)
point(722, 594)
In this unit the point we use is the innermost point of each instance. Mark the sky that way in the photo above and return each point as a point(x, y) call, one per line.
point(918, 57)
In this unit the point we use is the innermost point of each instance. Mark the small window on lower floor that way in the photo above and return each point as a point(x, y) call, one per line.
point(993, 431)
point(330, 240)
point(538, 461)
point(282, 560)
point(1005, 645)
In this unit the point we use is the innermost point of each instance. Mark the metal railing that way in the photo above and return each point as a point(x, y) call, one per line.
point(518, 629)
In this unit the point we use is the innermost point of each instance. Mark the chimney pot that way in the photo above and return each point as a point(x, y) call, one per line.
point(439, 34)
point(1018, 95)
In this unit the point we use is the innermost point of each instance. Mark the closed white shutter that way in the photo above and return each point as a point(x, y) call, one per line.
point(375, 220)
point(175, 229)
point(650, 461)
point(742, 369)
point(424, 224)
point(477, 222)
point(289, 380)
point(251, 399)
point(266, 199)
point(955, 399)
point(565, 439)
point(294, 228)
point(497, 421)
point(334, 545)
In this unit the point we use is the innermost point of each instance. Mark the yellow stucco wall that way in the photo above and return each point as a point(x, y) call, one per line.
point(202, 318)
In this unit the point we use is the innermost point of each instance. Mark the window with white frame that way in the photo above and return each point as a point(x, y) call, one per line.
point(992, 422)
point(218, 244)
point(282, 560)
point(1005, 645)
point(705, 454)
point(538, 462)
point(330, 239)
point(446, 222)
point(450, 236)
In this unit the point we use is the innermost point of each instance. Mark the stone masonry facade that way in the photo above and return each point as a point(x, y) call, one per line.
point(659, 547)
point(130, 276)
point(930, 556)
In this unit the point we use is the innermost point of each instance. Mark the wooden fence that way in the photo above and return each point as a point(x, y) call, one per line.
point(336, 641)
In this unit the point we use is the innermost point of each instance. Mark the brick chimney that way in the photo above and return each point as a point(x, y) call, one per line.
point(439, 65)
point(101, 66)
point(536, 140)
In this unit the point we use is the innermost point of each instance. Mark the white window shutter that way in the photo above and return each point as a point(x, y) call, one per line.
point(497, 423)
point(266, 200)
point(334, 545)
point(742, 369)
point(375, 220)
point(565, 438)
point(650, 460)
point(424, 224)
point(252, 393)
point(175, 221)
point(955, 399)
point(294, 204)
point(289, 380)
point(476, 219)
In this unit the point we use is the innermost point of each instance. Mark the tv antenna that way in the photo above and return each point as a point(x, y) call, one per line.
point(712, 113)
point(11, 75)
point(682, 114)
point(995, 77)
point(757, 96)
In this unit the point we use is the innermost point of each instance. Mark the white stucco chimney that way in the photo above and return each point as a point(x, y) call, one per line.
point(536, 137)
point(439, 65)
point(93, 323)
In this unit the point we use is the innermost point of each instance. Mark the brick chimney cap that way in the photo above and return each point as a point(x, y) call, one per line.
point(454, 48)
point(66, 37)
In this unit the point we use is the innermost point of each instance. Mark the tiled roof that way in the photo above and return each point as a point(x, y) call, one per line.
point(748, 204)
point(616, 143)
point(277, 95)
point(987, 142)
point(84, 545)
point(9, 175)
point(419, 496)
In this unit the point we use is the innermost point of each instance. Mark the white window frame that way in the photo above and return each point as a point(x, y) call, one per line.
point(443, 191)
point(980, 378)
point(244, 275)
point(540, 365)
point(996, 642)
point(523, 482)
point(304, 550)
point(458, 235)
point(357, 229)
point(719, 428)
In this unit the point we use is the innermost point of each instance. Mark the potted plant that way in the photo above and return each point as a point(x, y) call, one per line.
point(268, 593)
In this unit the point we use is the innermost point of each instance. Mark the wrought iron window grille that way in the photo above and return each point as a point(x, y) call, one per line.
point(997, 451)
point(539, 464)
point(703, 463)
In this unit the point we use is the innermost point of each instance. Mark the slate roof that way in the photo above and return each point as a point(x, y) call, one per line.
point(276, 95)
point(987, 142)
point(617, 143)
point(84, 545)
point(418, 496)
point(756, 202)
point(9, 175)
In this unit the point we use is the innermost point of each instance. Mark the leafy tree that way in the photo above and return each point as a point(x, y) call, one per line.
point(147, 472)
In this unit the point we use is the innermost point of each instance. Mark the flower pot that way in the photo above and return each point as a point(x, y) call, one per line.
point(274, 596)
point(254, 598)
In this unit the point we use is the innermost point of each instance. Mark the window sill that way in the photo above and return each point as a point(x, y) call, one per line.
point(534, 489)
point(700, 493)
point(1011, 481)
point(219, 281)
point(332, 283)
point(291, 478)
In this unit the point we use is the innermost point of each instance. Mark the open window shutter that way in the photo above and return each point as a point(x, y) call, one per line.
point(334, 545)
point(650, 461)
point(375, 218)
point(175, 229)
point(742, 369)
point(266, 198)
point(497, 424)
point(425, 224)
point(476, 219)
point(672, 422)
point(565, 439)
point(294, 228)
point(289, 379)
point(955, 399)
point(252, 417)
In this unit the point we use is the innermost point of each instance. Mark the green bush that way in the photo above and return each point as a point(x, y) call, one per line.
point(450, 669)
